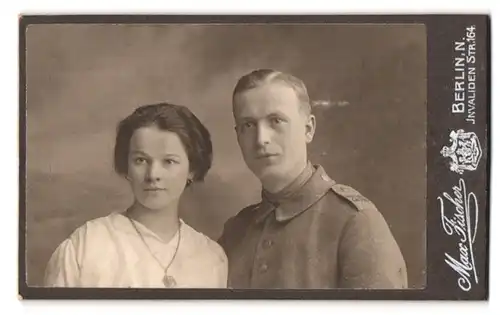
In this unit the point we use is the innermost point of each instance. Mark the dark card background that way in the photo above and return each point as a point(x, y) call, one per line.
point(82, 79)
point(441, 120)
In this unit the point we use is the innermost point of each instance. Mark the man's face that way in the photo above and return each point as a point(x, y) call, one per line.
point(272, 130)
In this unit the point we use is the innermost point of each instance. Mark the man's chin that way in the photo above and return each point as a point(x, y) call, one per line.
point(268, 172)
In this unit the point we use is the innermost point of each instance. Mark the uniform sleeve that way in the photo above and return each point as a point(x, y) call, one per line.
point(229, 235)
point(62, 269)
point(234, 228)
point(369, 257)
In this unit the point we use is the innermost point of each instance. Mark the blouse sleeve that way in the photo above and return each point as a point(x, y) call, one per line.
point(63, 269)
point(221, 265)
point(223, 272)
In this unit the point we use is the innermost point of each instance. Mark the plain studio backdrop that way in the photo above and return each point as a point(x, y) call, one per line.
point(83, 79)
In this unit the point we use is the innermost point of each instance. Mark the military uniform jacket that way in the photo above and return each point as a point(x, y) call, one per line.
point(325, 235)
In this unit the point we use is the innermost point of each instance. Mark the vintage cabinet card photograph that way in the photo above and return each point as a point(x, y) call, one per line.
point(254, 157)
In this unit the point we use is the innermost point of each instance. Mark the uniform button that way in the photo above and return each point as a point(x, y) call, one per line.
point(267, 243)
point(263, 268)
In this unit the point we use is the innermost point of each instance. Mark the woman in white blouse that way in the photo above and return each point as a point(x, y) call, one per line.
point(160, 149)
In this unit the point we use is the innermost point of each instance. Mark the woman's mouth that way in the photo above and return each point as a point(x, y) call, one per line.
point(154, 189)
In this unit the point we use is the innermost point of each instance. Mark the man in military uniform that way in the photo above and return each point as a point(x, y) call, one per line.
point(308, 231)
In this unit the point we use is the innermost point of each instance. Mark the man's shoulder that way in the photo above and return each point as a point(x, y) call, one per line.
point(235, 227)
point(352, 198)
point(243, 215)
point(341, 195)
point(362, 219)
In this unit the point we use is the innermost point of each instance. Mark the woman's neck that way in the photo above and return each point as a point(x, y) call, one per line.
point(163, 223)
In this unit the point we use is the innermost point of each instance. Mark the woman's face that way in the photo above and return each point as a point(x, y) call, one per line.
point(158, 167)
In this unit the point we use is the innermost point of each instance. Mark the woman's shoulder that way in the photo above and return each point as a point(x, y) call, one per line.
point(203, 245)
point(82, 249)
point(95, 230)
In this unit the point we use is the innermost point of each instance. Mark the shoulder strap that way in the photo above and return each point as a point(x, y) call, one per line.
point(353, 196)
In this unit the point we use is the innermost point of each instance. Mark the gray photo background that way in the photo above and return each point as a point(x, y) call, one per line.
point(82, 79)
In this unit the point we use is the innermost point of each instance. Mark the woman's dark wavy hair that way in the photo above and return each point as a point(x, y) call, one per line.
point(169, 117)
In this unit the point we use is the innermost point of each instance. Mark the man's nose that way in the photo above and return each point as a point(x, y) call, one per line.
point(263, 135)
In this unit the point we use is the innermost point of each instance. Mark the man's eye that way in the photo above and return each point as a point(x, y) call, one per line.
point(246, 125)
point(277, 120)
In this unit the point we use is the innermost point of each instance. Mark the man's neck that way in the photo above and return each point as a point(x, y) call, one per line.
point(291, 183)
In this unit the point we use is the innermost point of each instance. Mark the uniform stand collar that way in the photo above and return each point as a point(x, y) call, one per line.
point(297, 197)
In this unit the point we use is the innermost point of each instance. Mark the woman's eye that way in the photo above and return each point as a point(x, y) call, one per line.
point(140, 160)
point(170, 161)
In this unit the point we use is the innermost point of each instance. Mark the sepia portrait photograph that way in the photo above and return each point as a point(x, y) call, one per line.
point(226, 156)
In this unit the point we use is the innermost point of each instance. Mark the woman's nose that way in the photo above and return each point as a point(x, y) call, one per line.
point(153, 174)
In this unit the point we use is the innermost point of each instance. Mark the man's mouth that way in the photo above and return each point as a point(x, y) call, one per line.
point(265, 156)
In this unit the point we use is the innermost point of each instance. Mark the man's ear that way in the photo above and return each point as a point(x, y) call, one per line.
point(310, 128)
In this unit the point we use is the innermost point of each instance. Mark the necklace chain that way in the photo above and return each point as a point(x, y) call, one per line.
point(151, 252)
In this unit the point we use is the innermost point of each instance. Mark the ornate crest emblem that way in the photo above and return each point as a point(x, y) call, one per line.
point(464, 152)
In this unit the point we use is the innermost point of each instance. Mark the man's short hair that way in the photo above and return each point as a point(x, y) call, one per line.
point(261, 77)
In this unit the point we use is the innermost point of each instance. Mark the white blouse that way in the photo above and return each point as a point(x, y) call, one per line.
point(108, 252)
